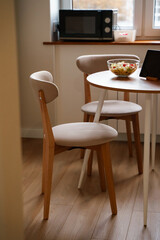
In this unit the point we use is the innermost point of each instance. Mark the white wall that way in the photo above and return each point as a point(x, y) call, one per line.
point(11, 219)
point(33, 24)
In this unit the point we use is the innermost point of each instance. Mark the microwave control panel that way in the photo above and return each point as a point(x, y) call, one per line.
point(107, 23)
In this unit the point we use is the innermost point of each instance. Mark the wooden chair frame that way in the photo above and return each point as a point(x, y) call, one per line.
point(134, 119)
point(50, 149)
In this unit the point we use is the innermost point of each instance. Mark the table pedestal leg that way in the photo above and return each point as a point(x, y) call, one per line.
point(154, 128)
point(87, 152)
point(146, 155)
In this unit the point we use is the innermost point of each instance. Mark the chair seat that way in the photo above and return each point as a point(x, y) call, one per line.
point(112, 108)
point(83, 134)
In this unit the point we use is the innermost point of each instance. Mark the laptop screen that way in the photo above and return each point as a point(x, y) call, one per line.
point(151, 64)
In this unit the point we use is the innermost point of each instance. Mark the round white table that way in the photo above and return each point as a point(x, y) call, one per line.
point(106, 80)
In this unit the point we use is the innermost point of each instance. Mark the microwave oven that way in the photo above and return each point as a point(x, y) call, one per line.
point(87, 24)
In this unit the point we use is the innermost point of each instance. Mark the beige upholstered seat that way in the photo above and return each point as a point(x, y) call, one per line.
point(83, 134)
point(94, 136)
point(112, 109)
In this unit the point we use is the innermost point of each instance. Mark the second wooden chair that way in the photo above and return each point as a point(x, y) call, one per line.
point(112, 109)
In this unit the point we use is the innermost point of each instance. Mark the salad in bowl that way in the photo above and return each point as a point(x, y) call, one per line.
point(123, 67)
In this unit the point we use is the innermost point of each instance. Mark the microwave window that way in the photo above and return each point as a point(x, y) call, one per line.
point(80, 25)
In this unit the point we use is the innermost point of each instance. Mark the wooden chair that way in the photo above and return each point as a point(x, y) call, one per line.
point(95, 136)
point(112, 109)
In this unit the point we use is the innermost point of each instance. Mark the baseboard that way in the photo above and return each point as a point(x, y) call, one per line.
point(123, 137)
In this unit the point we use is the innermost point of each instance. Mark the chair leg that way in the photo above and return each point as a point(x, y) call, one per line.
point(129, 137)
point(82, 151)
point(90, 161)
point(135, 122)
point(101, 172)
point(48, 180)
point(43, 165)
point(105, 156)
point(83, 169)
point(86, 118)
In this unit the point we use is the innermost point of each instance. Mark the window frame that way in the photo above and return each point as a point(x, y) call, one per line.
point(148, 20)
point(138, 16)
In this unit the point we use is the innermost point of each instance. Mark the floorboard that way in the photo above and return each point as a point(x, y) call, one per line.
point(85, 214)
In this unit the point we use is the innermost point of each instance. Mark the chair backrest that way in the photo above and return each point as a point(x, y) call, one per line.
point(43, 80)
point(46, 91)
point(95, 63)
point(89, 64)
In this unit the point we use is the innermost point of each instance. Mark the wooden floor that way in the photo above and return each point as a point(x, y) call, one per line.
point(86, 214)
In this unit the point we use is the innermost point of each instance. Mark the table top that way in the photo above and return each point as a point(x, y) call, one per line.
point(134, 83)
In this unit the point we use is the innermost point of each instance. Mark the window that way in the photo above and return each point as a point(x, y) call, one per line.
point(125, 9)
point(152, 18)
point(143, 15)
point(156, 22)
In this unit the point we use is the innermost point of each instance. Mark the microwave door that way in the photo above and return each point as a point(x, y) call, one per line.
point(82, 25)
